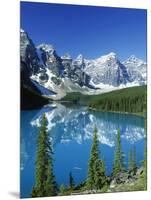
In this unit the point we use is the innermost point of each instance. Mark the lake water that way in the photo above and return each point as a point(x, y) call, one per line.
point(71, 131)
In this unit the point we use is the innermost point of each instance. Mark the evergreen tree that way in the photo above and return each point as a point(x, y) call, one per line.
point(71, 181)
point(99, 176)
point(44, 173)
point(96, 169)
point(94, 157)
point(51, 186)
point(132, 160)
point(118, 165)
point(33, 193)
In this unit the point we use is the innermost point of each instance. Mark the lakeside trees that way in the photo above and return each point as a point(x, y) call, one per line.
point(94, 157)
point(45, 184)
point(97, 181)
point(132, 160)
point(96, 178)
point(127, 100)
point(130, 104)
point(118, 165)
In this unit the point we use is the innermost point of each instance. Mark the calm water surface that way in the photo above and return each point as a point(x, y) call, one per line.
point(71, 132)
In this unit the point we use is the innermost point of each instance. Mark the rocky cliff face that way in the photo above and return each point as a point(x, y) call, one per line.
point(29, 64)
point(109, 70)
point(61, 67)
point(136, 69)
point(42, 67)
point(28, 54)
point(50, 59)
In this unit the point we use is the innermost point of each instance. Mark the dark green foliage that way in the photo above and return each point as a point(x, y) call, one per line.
point(118, 165)
point(132, 160)
point(94, 157)
point(129, 100)
point(71, 181)
point(44, 179)
point(144, 175)
point(62, 190)
point(34, 192)
point(145, 106)
point(96, 169)
point(80, 186)
point(99, 176)
point(51, 186)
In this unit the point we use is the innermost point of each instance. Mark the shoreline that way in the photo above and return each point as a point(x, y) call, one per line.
point(118, 112)
point(88, 108)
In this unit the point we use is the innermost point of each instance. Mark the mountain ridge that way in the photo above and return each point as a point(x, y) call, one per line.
point(41, 66)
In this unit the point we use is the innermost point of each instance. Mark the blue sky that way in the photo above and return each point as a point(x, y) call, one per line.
point(88, 30)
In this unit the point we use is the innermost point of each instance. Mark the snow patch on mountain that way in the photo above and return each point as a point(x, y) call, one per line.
point(62, 74)
point(137, 69)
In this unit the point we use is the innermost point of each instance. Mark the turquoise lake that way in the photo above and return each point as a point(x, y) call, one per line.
point(71, 133)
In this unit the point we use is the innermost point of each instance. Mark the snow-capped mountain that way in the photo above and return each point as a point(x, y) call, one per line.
point(107, 70)
point(136, 69)
point(62, 67)
point(60, 74)
point(55, 75)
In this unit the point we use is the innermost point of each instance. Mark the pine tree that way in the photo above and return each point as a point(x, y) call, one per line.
point(71, 181)
point(94, 157)
point(51, 186)
point(118, 165)
point(33, 193)
point(132, 160)
point(96, 169)
point(44, 173)
point(99, 176)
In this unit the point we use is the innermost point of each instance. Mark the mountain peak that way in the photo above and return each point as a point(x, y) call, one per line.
point(108, 57)
point(63, 74)
point(80, 57)
point(112, 54)
point(66, 56)
point(134, 59)
point(46, 47)
point(132, 56)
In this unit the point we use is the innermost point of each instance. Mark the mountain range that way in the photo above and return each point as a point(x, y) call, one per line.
point(46, 74)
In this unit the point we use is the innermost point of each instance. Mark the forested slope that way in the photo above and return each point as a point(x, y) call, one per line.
point(131, 100)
